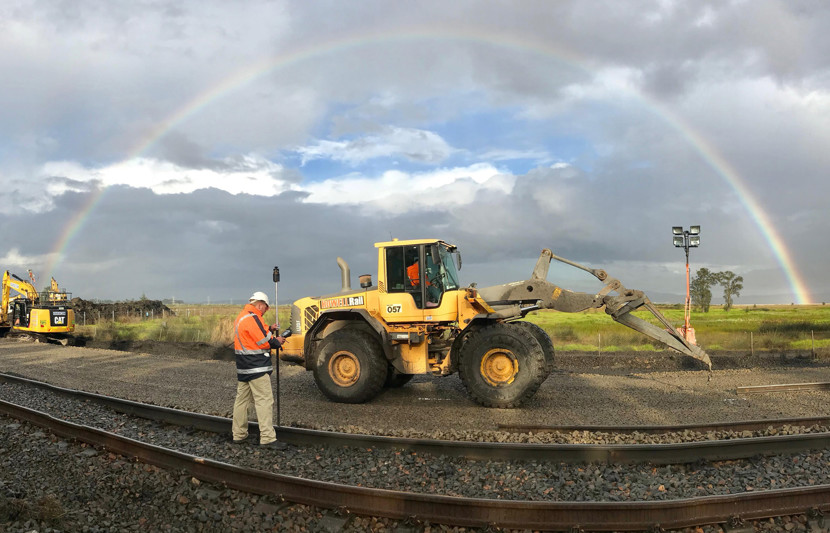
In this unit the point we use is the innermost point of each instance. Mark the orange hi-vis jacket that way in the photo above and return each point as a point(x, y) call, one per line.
point(252, 344)
point(414, 275)
point(413, 272)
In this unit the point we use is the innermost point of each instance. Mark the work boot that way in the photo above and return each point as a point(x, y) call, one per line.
point(275, 445)
point(239, 441)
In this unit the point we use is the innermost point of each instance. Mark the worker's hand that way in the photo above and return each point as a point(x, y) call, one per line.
point(281, 340)
point(273, 327)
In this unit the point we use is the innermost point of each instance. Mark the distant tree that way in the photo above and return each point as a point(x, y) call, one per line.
point(732, 286)
point(699, 288)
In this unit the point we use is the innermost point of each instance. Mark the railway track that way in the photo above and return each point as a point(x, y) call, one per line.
point(436, 508)
point(782, 387)
point(672, 453)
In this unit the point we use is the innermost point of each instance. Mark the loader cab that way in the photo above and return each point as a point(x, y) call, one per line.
point(417, 274)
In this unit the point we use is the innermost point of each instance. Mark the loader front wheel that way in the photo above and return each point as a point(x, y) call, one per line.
point(544, 341)
point(350, 367)
point(502, 365)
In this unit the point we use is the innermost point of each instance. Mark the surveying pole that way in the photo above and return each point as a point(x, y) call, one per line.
point(276, 277)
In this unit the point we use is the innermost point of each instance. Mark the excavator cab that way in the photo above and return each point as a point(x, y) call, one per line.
point(20, 314)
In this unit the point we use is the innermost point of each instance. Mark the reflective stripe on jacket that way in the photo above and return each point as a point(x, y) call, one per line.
point(252, 343)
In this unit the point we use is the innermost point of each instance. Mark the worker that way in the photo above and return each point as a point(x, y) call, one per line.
point(413, 273)
point(252, 343)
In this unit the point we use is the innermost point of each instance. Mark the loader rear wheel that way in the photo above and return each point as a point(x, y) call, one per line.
point(502, 365)
point(350, 367)
point(544, 341)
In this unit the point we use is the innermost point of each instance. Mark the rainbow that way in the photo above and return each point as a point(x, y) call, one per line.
point(723, 168)
point(255, 70)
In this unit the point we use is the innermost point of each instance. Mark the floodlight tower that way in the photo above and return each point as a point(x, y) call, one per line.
point(687, 239)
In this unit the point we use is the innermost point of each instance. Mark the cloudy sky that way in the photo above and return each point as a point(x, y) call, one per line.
point(182, 149)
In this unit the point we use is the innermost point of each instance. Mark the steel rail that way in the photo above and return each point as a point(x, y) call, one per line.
point(745, 425)
point(783, 387)
point(715, 450)
point(459, 511)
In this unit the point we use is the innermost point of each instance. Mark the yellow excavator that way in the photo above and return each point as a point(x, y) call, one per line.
point(419, 319)
point(45, 316)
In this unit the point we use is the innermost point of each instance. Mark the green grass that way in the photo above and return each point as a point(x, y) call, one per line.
point(191, 323)
point(765, 327)
point(784, 327)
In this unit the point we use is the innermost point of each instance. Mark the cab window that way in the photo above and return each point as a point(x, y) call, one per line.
point(403, 273)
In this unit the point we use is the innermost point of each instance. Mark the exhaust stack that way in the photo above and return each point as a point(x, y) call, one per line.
point(345, 275)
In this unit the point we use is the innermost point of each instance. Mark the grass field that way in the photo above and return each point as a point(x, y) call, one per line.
point(782, 327)
point(741, 329)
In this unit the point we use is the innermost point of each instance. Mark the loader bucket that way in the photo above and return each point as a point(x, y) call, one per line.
point(668, 336)
point(621, 306)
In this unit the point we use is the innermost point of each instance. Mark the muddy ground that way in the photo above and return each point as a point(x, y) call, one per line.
point(191, 350)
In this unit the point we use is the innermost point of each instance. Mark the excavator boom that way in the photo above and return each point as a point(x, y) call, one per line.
point(519, 298)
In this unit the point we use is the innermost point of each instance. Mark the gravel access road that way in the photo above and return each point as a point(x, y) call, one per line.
point(589, 390)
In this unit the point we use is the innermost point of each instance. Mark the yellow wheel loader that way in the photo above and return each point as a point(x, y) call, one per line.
point(418, 319)
point(43, 316)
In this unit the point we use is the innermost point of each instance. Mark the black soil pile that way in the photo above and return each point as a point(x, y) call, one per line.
point(92, 312)
point(188, 350)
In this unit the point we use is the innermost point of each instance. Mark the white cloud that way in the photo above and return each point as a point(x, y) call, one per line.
point(507, 154)
point(392, 190)
point(400, 192)
point(413, 144)
point(707, 17)
point(14, 260)
point(247, 175)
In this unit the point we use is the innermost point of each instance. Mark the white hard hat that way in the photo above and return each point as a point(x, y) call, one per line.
point(259, 295)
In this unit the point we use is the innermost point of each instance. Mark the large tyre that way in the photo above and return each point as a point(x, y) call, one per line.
point(544, 341)
point(395, 379)
point(502, 365)
point(350, 366)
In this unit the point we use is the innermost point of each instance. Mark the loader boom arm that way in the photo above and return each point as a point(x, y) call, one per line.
point(519, 298)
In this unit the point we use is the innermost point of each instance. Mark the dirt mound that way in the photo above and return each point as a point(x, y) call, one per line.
point(93, 312)
point(189, 350)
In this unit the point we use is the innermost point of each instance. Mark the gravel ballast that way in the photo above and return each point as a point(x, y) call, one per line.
point(588, 393)
point(207, 386)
